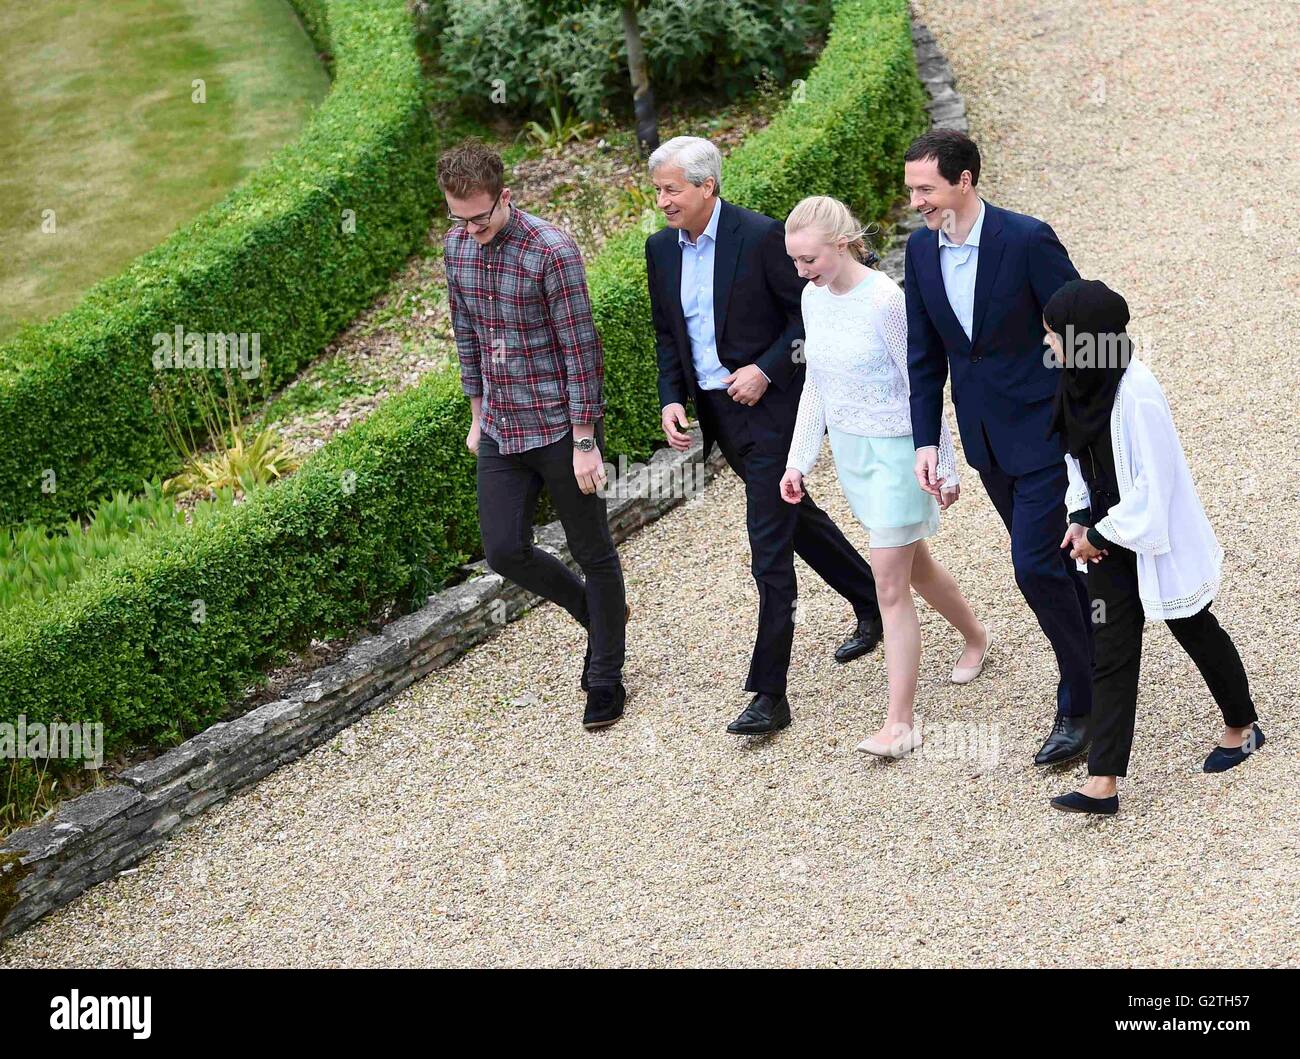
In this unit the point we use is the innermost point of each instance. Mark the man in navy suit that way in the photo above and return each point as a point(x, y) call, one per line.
point(977, 278)
point(726, 302)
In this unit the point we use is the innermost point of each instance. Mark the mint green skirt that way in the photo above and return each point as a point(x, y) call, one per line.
point(878, 482)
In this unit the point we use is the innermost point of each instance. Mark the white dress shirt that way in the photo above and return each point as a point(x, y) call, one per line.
point(959, 262)
point(697, 302)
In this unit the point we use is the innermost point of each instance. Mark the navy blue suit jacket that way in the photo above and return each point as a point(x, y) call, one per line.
point(1000, 382)
point(757, 311)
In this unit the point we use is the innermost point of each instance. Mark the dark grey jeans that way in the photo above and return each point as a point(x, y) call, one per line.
point(508, 490)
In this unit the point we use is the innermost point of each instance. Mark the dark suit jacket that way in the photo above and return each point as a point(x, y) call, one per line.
point(1000, 382)
point(757, 311)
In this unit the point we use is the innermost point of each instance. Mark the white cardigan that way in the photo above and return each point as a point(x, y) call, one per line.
point(1158, 516)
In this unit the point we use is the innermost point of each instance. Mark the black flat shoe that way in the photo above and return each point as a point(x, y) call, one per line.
point(604, 706)
point(869, 632)
point(1067, 739)
point(1223, 758)
point(765, 713)
point(1078, 802)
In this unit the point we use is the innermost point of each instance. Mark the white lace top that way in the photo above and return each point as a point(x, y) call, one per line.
point(855, 346)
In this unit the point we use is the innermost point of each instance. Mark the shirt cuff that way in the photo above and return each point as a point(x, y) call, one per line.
point(582, 414)
point(1082, 517)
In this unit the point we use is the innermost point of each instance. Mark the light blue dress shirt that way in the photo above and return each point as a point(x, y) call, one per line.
point(959, 263)
point(697, 302)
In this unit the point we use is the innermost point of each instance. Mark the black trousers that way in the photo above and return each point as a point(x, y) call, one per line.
point(1032, 506)
point(508, 490)
point(756, 441)
point(1118, 621)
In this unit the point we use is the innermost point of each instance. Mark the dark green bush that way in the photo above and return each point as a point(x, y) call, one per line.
point(579, 59)
point(273, 258)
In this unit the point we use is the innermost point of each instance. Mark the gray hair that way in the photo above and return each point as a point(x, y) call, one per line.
point(698, 158)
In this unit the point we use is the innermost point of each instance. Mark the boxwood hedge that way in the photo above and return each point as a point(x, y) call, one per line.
point(281, 257)
point(390, 502)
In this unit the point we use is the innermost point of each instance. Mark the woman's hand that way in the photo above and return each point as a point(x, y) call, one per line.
point(948, 496)
point(1084, 550)
point(792, 485)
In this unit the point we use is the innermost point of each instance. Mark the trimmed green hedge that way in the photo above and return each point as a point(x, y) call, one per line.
point(272, 258)
point(390, 504)
point(156, 646)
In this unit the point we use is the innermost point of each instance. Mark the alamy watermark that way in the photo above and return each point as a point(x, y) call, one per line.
point(1083, 349)
point(180, 349)
point(643, 481)
point(40, 741)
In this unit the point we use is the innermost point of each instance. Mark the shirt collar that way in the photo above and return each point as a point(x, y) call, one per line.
point(710, 229)
point(508, 229)
point(971, 240)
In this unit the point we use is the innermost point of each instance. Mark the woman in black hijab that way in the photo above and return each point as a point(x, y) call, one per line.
point(1143, 555)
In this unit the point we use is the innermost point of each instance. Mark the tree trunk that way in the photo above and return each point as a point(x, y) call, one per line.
point(643, 100)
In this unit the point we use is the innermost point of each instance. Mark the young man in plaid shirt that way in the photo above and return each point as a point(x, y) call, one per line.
point(533, 366)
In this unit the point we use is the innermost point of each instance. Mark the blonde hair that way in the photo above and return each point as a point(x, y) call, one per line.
point(833, 220)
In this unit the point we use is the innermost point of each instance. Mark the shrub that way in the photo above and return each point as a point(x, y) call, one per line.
point(581, 58)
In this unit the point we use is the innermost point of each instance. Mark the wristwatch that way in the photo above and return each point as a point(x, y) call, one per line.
point(584, 444)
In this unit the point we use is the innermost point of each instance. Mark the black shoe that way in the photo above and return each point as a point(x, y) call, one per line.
point(765, 713)
point(1223, 758)
point(586, 661)
point(869, 633)
point(604, 706)
point(1067, 739)
point(1078, 802)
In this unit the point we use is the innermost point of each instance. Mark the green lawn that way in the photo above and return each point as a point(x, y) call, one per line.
point(99, 126)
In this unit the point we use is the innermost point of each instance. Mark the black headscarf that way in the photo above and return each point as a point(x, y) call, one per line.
point(1090, 318)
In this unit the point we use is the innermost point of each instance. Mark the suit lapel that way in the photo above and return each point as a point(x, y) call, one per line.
point(725, 255)
point(991, 247)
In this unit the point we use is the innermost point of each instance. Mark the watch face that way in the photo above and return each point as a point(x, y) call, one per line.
point(585, 444)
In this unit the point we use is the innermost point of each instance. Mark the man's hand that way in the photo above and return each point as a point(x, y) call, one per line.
point(927, 472)
point(1073, 534)
point(588, 469)
point(1084, 550)
point(792, 485)
point(673, 420)
point(948, 496)
point(747, 385)
point(471, 439)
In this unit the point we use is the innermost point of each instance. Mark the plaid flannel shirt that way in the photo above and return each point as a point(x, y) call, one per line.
point(527, 343)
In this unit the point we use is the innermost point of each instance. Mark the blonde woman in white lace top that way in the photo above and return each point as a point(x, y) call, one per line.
point(856, 390)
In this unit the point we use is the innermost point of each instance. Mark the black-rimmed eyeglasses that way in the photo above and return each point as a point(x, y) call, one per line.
point(479, 221)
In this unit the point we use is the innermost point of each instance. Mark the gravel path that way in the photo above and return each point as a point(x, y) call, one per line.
point(471, 823)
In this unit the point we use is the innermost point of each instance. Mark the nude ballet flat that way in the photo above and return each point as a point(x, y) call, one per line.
point(965, 674)
point(899, 746)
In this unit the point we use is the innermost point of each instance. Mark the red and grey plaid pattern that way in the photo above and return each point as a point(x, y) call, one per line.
point(524, 332)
